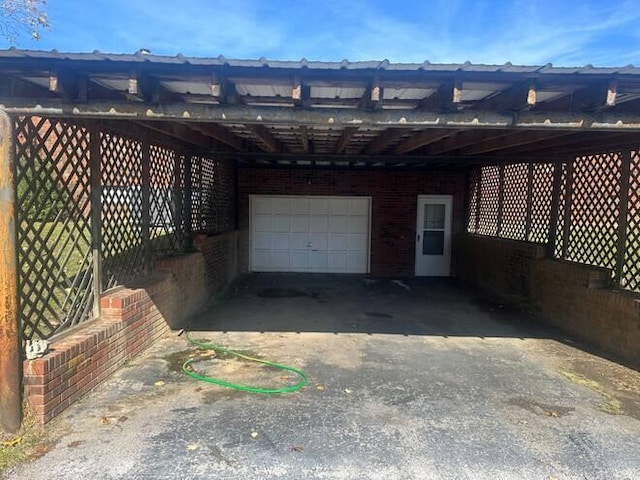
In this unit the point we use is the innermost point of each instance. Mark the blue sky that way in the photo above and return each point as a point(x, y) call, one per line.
point(563, 32)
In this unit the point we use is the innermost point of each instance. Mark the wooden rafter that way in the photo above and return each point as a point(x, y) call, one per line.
point(266, 137)
point(382, 141)
point(464, 139)
point(421, 139)
point(180, 132)
point(345, 138)
point(511, 140)
point(221, 134)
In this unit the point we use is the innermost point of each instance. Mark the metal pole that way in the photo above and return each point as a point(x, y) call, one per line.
point(10, 344)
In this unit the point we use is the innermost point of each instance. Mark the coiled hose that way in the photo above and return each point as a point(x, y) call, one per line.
point(188, 369)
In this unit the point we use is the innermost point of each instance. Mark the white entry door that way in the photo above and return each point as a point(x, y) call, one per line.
point(433, 236)
point(310, 234)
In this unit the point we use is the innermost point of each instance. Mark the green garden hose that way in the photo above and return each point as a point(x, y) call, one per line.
point(188, 369)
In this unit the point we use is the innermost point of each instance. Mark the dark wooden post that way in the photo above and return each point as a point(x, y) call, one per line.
point(555, 210)
point(187, 199)
point(10, 344)
point(501, 186)
point(96, 215)
point(146, 204)
point(529, 217)
point(625, 173)
point(568, 194)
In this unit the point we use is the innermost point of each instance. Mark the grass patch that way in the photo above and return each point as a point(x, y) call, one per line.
point(29, 443)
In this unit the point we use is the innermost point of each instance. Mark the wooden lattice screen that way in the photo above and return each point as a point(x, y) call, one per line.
point(594, 220)
point(139, 211)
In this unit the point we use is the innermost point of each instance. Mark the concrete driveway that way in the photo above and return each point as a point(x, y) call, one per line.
point(407, 380)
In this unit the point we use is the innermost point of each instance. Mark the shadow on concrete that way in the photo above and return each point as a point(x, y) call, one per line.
point(358, 304)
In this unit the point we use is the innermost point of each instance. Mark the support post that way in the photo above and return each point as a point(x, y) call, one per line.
point(10, 344)
point(96, 215)
point(187, 199)
point(529, 217)
point(236, 196)
point(555, 206)
point(500, 218)
point(625, 173)
point(146, 204)
point(567, 209)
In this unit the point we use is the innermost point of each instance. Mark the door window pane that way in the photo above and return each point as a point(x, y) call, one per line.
point(434, 216)
point(433, 243)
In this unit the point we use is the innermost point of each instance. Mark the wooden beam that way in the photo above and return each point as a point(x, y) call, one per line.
point(221, 134)
point(180, 132)
point(512, 140)
point(513, 98)
point(573, 140)
point(247, 114)
point(382, 141)
point(421, 139)
point(263, 134)
point(440, 99)
point(345, 138)
point(464, 139)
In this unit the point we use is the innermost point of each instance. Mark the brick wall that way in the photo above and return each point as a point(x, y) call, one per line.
point(225, 256)
point(571, 296)
point(132, 319)
point(393, 208)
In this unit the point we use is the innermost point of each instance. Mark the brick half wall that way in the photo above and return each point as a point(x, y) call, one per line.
point(132, 320)
point(574, 297)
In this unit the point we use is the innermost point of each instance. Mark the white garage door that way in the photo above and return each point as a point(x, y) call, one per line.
point(310, 234)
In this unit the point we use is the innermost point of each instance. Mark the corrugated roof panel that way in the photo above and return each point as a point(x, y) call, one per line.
point(391, 93)
point(337, 92)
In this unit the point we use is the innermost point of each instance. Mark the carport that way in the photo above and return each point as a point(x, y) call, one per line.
point(136, 186)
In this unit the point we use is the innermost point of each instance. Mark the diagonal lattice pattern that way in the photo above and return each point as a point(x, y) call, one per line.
point(630, 277)
point(215, 198)
point(489, 201)
point(594, 210)
point(540, 202)
point(53, 210)
point(123, 250)
point(514, 209)
point(196, 194)
point(474, 188)
point(164, 203)
point(562, 204)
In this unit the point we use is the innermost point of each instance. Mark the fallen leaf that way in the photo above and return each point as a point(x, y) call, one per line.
point(319, 387)
point(551, 413)
point(297, 448)
point(105, 421)
point(254, 434)
point(192, 446)
point(208, 353)
point(75, 443)
point(159, 383)
point(123, 419)
point(284, 377)
point(13, 442)
point(199, 389)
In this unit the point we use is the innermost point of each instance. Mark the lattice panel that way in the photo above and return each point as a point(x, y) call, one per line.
point(165, 204)
point(562, 202)
point(514, 209)
point(541, 201)
point(474, 189)
point(595, 205)
point(489, 201)
point(123, 251)
point(208, 185)
point(196, 194)
point(53, 211)
point(630, 278)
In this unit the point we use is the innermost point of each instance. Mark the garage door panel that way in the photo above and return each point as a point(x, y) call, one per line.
point(280, 241)
point(338, 242)
point(359, 206)
point(300, 206)
point(262, 241)
point(358, 224)
point(281, 223)
point(319, 206)
point(310, 234)
point(280, 206)
point(319, 223)
point(338, 224)
point(357, 242)
point(300, 223)
point(262, 223)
